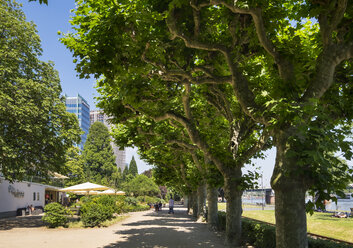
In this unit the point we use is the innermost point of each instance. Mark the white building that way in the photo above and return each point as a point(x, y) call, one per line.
point(120, 155)
point(23, 194)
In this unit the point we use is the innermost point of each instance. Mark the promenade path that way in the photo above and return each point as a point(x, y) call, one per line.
point(141, 230)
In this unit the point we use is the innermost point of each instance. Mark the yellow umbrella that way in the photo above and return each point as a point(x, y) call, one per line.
point(93, 192)
point(85, 187)
point(111, 192)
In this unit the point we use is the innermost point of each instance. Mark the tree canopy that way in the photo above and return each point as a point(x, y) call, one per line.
point(133, 167)
point(98, 155)
point(35, 129)
point(142, 186)
point(288, 65)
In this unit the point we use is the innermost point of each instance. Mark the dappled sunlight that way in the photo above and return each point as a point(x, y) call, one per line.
point(160, 229)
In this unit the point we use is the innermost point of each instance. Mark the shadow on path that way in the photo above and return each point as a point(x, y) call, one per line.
point(160, 229)
point(21, 222)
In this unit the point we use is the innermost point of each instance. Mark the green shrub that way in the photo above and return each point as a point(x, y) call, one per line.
point(150, 199)
point(138, 207)
point(55, 215)
point(131, 201)
point(98, 209)
point(263, 235)
point(93, 214)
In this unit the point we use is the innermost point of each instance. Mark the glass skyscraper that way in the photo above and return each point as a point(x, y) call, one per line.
point(79, 106)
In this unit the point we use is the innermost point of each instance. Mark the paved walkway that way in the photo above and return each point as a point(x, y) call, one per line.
point(141, 230)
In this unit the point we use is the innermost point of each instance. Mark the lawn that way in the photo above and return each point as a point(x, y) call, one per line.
point(222, 206)
point(319, 223)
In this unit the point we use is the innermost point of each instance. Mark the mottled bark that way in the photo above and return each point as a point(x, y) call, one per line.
point(290, 191)
point(201, 201)
point(212, 203)
point(233, 195)
point(290, 215)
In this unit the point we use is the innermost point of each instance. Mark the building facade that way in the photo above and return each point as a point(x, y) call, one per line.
point(21, 195)
point(97, 115)
point(79, 106)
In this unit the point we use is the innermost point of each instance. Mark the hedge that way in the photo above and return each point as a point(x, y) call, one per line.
point(55, 215)
point(263, 235)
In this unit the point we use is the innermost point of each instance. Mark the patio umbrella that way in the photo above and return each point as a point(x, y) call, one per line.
point(93, 192)
point(111, 192)
point(86, 187)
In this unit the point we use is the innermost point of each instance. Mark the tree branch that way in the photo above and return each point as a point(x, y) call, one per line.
point(239, 82)
point(325, 69)
point(260, 145)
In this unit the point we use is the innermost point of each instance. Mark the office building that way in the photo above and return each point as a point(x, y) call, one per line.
point(97, 115)
point(79, 106)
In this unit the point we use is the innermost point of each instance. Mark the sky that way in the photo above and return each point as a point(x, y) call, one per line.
point(55, 17)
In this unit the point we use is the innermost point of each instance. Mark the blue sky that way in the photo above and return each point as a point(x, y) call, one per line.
point(55, 17)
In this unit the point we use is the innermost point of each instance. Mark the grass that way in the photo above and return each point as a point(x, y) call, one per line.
point(318, 223)
point(114, 220)
point(222, 206)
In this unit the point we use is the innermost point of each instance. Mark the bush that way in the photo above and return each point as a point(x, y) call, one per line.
point(96, 210)
point(93, 214)
point(150, 199)
point(131, 201)
point(263, 235)
point(55, 215)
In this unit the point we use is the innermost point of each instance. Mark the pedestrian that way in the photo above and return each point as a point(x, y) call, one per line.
point(171, 206)
point(159, 206)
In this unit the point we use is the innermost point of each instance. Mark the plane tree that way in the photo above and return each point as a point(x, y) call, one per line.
point(208, 124)
point(142, 71)
point(290, 69)
point(288, 63)
point(165, 144)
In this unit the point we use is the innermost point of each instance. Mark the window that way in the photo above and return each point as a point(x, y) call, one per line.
point(34, 196)
point(37, 196)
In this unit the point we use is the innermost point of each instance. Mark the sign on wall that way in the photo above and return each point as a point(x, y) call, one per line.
point(15, 192)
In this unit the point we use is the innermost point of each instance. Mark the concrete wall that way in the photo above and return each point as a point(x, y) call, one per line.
point(19, 195)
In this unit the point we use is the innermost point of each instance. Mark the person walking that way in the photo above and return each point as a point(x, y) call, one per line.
point(171, 206)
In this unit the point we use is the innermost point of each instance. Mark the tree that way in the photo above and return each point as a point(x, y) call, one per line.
point(287, 74)
point(74, 167)
point(98, 155)
point(148, 173)
point(142, 186)
point(133, 167)
point(215, 125)
point(125, 173)
point(35, 128)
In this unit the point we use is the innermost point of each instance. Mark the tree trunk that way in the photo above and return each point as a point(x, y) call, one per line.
point(194, 204)
point(212, 203)
point(290, 217)
point(233, 195)
point(290, 190)
point(189, 200)
point(201, 201)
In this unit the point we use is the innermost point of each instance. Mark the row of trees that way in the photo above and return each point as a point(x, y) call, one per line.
point(202, 87)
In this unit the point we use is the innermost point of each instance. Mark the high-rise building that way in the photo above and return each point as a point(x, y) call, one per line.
point(79, 106)
point(97, 115)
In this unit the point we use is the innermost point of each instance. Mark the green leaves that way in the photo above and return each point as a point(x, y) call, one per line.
point(35, 129)
point(98, 155)
point(141, 185)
